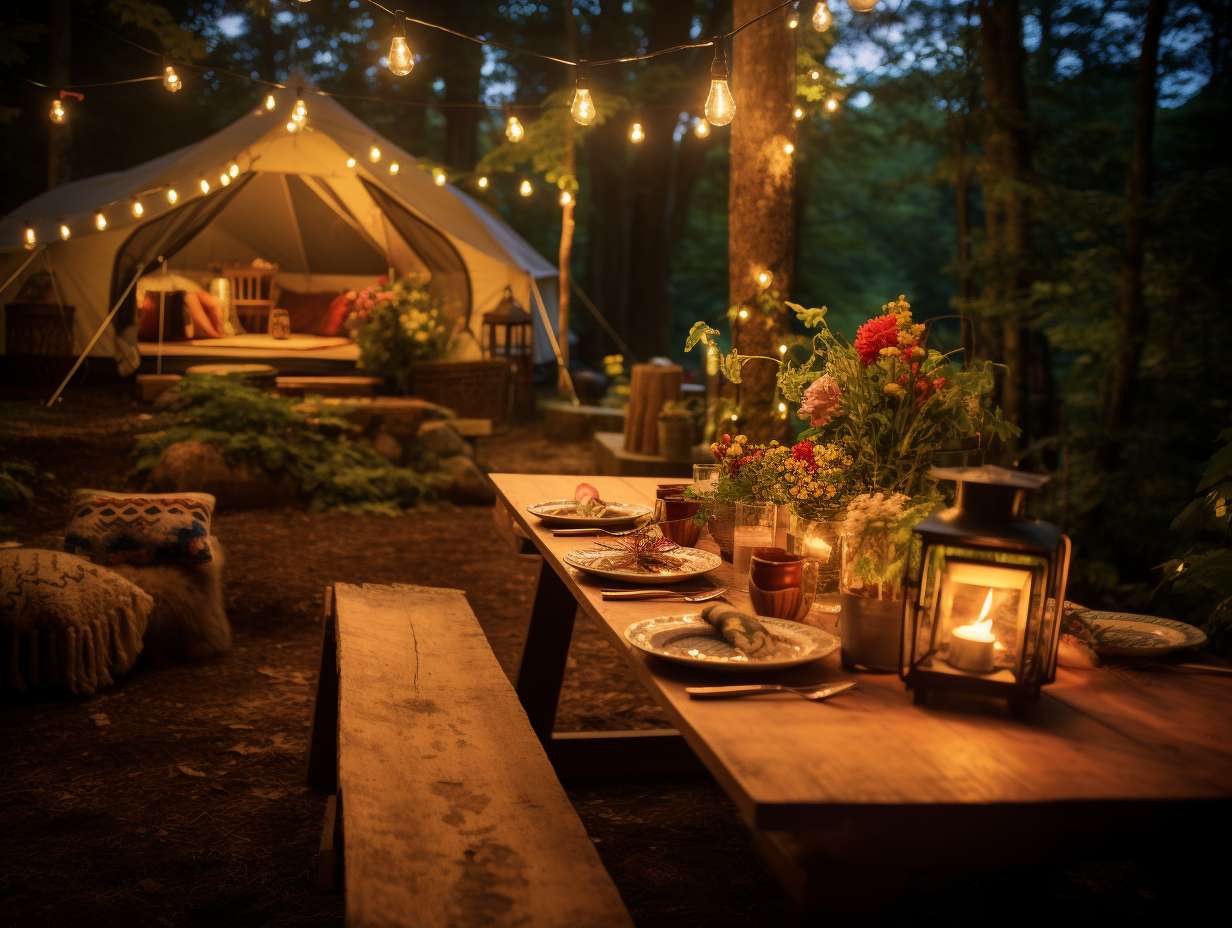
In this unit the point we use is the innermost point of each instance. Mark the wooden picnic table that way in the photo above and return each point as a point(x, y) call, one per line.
point(1110, 752)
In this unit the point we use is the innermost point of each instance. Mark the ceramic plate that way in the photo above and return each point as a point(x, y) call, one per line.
point(617, 514)
point(1124, 634)
point(697, 562)
point(690, 639)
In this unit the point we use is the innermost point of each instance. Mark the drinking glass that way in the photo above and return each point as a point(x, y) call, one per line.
point(705, 478)
point(755, 525)
point(818, 541)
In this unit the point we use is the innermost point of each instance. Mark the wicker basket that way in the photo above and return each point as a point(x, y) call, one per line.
point(472, 389)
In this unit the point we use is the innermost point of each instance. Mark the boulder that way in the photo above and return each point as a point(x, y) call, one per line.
point(387, 447)
point(461, 481)
point(400, 416)
point(199, 467)
point(442, 440)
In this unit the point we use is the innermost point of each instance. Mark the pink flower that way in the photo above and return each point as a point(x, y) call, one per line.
point(823, 400)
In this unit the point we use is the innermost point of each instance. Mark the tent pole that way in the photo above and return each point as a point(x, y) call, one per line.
point(98, 333)
point(565, 376)
point(51, 273)
point(25, 264)
point(299, 239)
point(599, 318)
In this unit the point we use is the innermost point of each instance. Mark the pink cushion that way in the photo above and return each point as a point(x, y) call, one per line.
point(339, 309)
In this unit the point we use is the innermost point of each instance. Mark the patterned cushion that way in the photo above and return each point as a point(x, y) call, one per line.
point(65, 622)
point(140, 528)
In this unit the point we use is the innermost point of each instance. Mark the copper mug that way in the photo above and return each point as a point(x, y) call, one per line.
point(679, 522)
point(781, 585)
point(280, 323)
point(662, 491)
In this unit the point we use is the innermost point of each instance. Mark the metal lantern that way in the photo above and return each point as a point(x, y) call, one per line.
point(984, 592)
point(509, 334)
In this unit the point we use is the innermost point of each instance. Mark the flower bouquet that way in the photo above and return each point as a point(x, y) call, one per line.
point(396, 325)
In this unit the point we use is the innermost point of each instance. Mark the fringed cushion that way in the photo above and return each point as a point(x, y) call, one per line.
point(66, 623)
point(140, 528)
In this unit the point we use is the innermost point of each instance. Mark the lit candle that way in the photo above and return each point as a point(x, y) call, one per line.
point(973, 647)
point(819, 549)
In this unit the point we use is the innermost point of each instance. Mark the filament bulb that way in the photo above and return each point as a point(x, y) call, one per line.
point(270, 103)
point(439, 178)
point(351, 162)
point(637, 134)
point(821, 16)
point(374, 154)
point(789, 148)
point(172, 196)
point(583, 106)
point(525, 188)
point(30, 237)
point(224, 179)
point(100, 221)
point(832, 105)
point(292, 126)
point(797, 113)
point(234, 169)
point(204, 185)
point(65, 232)
point(793, 19)
point(171, 80)
point(720, 104)
point(482, 183)
point(814, 75)
point(514, 130)
point(764, 279)
point(57, 113)
point(137, 209)
point(299, 112)
point(565, 198)
point(394, 167)
point(862, 6)
point(401, 60)
point(701, 128)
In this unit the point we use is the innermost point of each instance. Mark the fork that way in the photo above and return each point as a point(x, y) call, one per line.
point(589, 532)
point(672, 595)
point(754, 689)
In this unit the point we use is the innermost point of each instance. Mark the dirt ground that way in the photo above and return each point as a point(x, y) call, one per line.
point(178, 797)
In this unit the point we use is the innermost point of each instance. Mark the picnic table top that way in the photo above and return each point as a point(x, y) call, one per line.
point(1116, 738)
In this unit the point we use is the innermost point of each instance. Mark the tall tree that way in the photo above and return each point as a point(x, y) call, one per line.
point(1132, 316)
point(761, 199)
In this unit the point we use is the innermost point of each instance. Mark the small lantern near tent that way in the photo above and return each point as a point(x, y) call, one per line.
point(508, 333)
point(985, 592)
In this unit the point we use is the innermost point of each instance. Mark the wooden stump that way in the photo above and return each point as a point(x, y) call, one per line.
point(652, 385)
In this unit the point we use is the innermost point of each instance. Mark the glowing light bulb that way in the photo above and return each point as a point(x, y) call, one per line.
point(482, 183)
point(100, 221)
point(514, 130)
point(172, 196)
point(782, 349)
point(65, 232)
point(821, 16)
point(374, 154)
point(401, 59)
point(171, 80)
point(525, 188)
point(832, 105)
point(57, 113)
point(137, 209)
point(797, 113)
point(234, 169)
point(782, 409)
point(224, 179)
point(299, 113)
point(814, 75)
point(439, 178)
point(743, 314)
point(862, 6)
point(351, 162)
point(565, 198)
point(394, 167)
point(29, 237)
point(789, 148)
point(583, 107)
point(735, 417)
point(720, 104)
point(701, 128)
point(764, 280)
point(793, 19)
point(292, 126)
point(270, 103)
point(204, 185)
point(637, 134)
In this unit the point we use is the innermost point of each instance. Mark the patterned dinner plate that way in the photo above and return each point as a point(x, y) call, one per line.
point(593, 561)
point(690, 639)
point(1124, 634)
point(563, 512)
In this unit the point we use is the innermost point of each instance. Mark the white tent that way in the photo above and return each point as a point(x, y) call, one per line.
point(297, 200)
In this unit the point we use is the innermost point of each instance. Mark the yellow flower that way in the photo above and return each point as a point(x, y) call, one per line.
point(892, 389)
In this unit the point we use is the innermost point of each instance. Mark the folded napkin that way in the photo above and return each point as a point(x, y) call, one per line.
point(737, 628)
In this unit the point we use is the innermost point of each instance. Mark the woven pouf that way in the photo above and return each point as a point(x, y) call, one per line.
point(66, 623)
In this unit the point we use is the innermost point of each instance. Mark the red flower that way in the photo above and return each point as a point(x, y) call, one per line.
point(803, 451)
point(880, 332)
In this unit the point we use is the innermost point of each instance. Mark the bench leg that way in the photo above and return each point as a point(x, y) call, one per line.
point(542, 667)
point(323, 743)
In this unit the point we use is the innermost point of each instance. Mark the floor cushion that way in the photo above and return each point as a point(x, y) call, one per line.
point(65, 622)
point(140, 528)
point(189, 618)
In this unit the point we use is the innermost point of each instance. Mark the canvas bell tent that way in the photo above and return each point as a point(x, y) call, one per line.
point(316, 203)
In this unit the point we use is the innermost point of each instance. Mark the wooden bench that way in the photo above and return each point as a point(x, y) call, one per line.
point(448, 810)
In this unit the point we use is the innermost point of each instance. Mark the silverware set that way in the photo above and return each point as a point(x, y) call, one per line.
point(815, 694)
point(673, 596)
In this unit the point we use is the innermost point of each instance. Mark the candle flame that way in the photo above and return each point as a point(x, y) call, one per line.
point(981, 628)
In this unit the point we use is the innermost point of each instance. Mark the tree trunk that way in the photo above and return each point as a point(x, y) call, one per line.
point(1007, 170)
point(1132, 318)
point(60, 137)
point(761, 199)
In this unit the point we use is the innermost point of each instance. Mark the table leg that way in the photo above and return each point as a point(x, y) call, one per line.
point(542, 667)
point(323, 742)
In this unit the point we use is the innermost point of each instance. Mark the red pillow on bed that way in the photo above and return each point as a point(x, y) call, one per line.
point(172, 317)
point(339, 309)
point(310, 312)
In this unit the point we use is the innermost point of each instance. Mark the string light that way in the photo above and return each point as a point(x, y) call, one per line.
point(224, 179)
point(583, 107)
point(57, 113)
point(292, 126)
point(100, 221)
point(374, 153)
point(565, 198)
point(514, 130)
point(394, 167)
point(65, 232)
point(720, 104)
point(482, 183)
point(439, 178)
point(234, 169)
point(814, 75)
point(637, 134)
point(270, 103)
point(204, 185)
point(299, 113)
point(743, 314)
point(30, 237)
point(701, 128)
point(171, 80)
point(832, 105)
point(862, 6)
point(525, 188)
point(797, 113)
point(793, 18)
point(351, 162)
point(782, 409)
point(821, 16)
point(782, 349)
point(172, 196)
point(401, 60)
point(137, 209)
point(789, 148)
point(764, 280)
